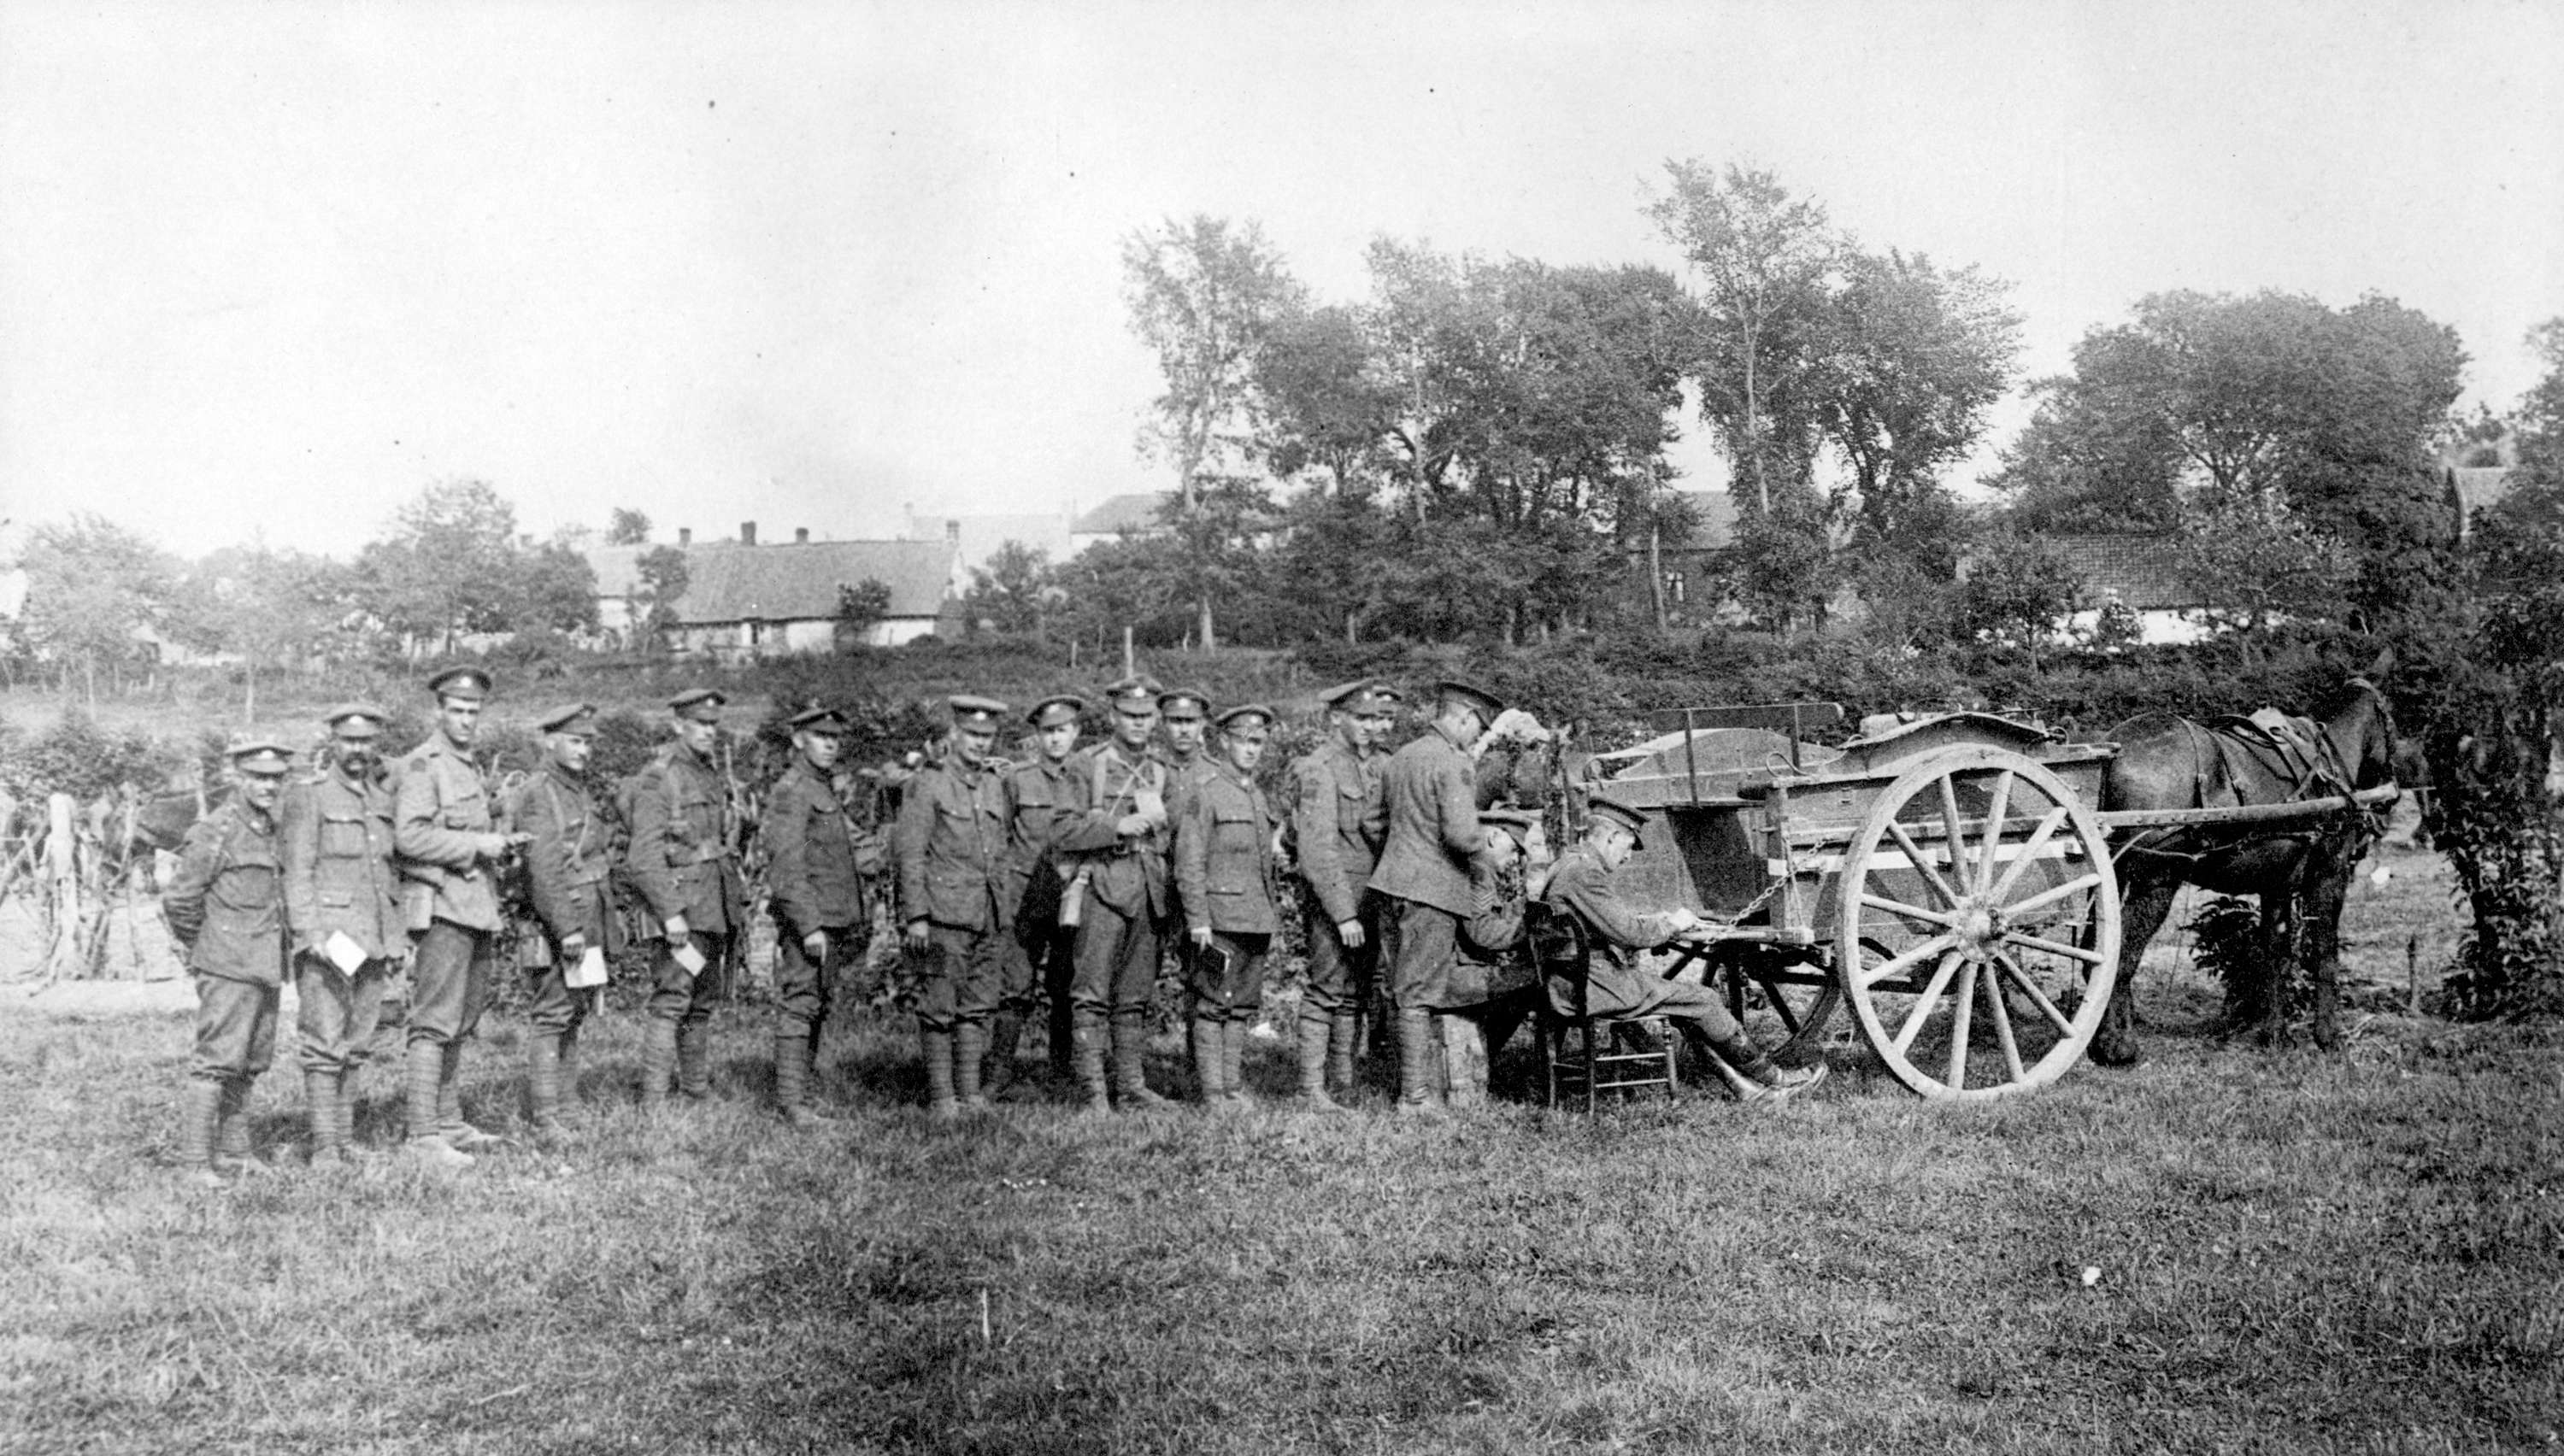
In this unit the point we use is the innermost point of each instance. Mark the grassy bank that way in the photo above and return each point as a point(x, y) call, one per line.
point(2226, 1249)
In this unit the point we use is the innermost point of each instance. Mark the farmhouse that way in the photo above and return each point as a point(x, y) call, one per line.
point(745, 600)
point(2141, 573)
point(1134, 511)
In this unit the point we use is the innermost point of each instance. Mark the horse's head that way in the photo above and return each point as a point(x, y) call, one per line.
point(2362, 729)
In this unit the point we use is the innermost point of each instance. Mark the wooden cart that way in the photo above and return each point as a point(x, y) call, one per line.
point(1950, 879)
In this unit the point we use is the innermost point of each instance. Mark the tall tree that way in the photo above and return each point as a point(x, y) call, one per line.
point(627, 527)
point(1762, 259)
point(1206, 297)
point(93, 586)
point(660, 577)
point(454, 562)
point(275, 610)
point(1013, 590)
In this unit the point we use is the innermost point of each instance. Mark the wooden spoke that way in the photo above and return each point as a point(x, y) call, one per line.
point(1901, 907)
point(1930, 997)
point(1922, 864)
point(2054, 947)
point(1962, 869)
point(2038, 998)
point(2030, 849)
point(1898, 964)
point(2052, 892)
point(1997, 806)
point(1961, 1006)
point(2001, 1015)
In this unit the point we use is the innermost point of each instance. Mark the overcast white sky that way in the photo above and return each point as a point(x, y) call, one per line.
point(273, 268)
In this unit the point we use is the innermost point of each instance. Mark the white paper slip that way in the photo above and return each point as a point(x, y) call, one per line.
point(691, 958)
point(343, 951)
point(590, 971)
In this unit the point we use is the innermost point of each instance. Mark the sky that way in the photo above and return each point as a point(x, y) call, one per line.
point(267, 271)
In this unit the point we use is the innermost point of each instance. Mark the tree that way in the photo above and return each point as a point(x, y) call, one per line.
point(454, 562)
point(92, 587)
point(659, 579)
point(1205, 298)
point(277, 611)
point(1012, 593)
point(2253, 559)
point(627, 527)
point(2017, 589)
point(1762, 260)
point(860, 608)
point(1784, 573)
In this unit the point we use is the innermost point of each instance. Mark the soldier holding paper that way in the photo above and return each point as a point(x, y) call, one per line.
point(569, 862)
point(342, 916)
point(683, 858)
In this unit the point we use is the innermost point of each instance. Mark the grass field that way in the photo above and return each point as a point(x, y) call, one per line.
point(2226, 1249)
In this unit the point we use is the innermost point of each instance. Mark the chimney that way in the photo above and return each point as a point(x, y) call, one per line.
point(800, 536)
point(748, 533)
point(685, 536)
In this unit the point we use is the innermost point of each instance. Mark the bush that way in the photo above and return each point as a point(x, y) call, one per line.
point(78, 757)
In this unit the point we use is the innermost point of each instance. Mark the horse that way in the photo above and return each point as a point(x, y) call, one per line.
point(2299, 869)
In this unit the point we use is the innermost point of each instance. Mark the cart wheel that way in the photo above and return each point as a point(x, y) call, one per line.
point(1993, 885)
point(1785, 999)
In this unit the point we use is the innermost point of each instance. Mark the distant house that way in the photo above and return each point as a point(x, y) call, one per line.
point(974, 538)
point(744, 600)
point(1135, 513)
point(2471, 490)
point(2143, 573)
point(1691, 569)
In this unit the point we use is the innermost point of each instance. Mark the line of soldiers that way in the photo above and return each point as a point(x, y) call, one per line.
point(1058, 877)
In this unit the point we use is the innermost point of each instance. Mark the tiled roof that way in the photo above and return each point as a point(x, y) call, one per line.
point(1137, 510)
point(730, 582)
point(2144, 571)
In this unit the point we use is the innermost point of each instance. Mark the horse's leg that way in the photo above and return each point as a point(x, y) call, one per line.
point(2145, 900)
point(2262, 1008)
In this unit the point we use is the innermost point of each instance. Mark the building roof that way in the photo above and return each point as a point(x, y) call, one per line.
point(979, 536)
point(2476, 488)
point(1137, 510)
point(726, 581)
point(2146, 572)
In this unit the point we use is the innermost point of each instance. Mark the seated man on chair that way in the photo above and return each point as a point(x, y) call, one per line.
point(1617, 988)
point(1493, 987)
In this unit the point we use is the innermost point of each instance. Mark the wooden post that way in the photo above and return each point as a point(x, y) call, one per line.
point(2412, 974)
point(1129, 668)
point(61, 887)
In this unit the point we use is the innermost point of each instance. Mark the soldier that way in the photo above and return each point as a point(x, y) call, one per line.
point(449, 848)
point(1117, 895)
point(1185, 711)
point(815, 867)
point(343, 916)
point(953, 875)
point(1337, 820)
point(1493, 986)
point(1613, 986)
point(225, 907)
point(684, 859)
point(1228, 840)
point(1432, 792)
point(569, 858)
point(1037, 954)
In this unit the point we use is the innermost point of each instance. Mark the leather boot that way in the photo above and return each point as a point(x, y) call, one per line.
point(1211, 1059)
point(1232, 1077)
point(695, 1058)
point(1086, 1047)
point(1418, 1064)
point(543, 1086)
point(1343, 1038)
point(1130, 1063)
point(572, 1101)
point(998, 1072)
point(1314, 1025)
point(320, 1098)
point(936, 1049)
point(970, 1054)
point(461, 1136)
point(1464, 1057)
point(233, 1149)
point(658, 1061)
point(422, 1075)
point(200, 1114)
point(343, 1097)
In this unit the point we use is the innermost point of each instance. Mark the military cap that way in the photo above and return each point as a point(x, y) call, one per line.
point(577, 718)
point(1058, 708)
point(1245, 716)
point(970, 710)
point(818, 719)
point(1139, 692)
point(259, 753)
point(1615, 812)
point(1362, 695)
point(704, 704)
point(1183, 705)
point(355, 720)
point(1486, 704)
point(470, 684)
point(1518, 820)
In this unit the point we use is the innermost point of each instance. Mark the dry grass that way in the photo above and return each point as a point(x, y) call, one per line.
point(2296, 1252)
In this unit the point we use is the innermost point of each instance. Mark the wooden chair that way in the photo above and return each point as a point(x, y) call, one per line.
point(1598, 1063)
